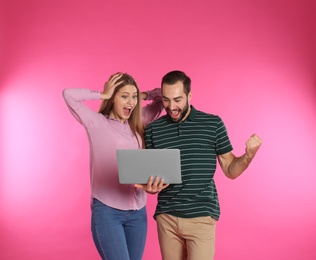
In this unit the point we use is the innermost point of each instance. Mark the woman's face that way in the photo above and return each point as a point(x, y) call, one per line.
point(124, 102)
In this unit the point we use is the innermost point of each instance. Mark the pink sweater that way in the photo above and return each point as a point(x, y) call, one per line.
point(106, 135)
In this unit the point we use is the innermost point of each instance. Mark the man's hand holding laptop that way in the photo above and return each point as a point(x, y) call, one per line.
point(153, 186)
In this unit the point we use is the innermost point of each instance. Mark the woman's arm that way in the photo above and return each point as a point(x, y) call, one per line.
point(153, 110)
point(74, 98)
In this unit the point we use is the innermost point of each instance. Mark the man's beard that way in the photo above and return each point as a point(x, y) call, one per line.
point(183, 114)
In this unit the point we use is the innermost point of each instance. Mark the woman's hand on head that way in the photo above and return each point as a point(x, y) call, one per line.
point(143, 95)
point(110, 86)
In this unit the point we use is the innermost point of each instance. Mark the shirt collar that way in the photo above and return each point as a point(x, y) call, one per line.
point(117, 120)
point(192, 114)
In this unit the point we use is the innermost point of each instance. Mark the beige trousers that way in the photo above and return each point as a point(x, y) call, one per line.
point(186, 238)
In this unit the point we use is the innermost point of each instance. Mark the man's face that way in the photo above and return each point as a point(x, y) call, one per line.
point(175, 101)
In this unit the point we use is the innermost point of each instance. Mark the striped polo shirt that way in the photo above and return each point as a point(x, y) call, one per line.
point(200, 138)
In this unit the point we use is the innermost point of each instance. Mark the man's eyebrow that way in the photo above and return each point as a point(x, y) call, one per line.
point(172, 98)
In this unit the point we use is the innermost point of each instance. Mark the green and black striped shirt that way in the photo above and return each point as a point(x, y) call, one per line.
point(200, 138)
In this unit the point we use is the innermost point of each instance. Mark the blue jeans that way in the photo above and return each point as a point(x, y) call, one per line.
point(118, 234)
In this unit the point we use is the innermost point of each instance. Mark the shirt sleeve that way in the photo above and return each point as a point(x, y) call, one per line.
point(74, 98)
point(223, 144)
point(152, 111)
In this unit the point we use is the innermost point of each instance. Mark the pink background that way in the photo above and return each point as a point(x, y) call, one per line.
point(253, 62)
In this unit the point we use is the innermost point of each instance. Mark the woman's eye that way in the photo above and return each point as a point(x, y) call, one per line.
point(134, 97)
point(124, 97)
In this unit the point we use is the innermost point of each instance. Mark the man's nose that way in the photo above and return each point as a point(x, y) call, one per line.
point(172, 105)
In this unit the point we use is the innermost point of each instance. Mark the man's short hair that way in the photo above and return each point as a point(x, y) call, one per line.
point(173, 77)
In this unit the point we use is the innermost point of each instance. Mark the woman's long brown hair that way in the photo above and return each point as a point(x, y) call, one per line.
point(135, 120)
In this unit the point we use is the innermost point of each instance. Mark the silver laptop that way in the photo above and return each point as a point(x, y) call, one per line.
point(135, 166)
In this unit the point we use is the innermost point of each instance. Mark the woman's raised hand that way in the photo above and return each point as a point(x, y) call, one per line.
point(110, 85)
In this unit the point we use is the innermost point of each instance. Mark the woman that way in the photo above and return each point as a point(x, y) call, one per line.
point(119, 219)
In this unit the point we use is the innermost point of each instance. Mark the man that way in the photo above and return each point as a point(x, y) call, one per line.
point(186, 213)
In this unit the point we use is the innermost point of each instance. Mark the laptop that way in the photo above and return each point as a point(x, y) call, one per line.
point(135, 166)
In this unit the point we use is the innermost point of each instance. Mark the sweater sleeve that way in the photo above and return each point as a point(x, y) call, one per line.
point(152, 110)
point(74, 98)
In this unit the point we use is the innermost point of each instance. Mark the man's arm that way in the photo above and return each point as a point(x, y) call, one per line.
point(234, 166)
